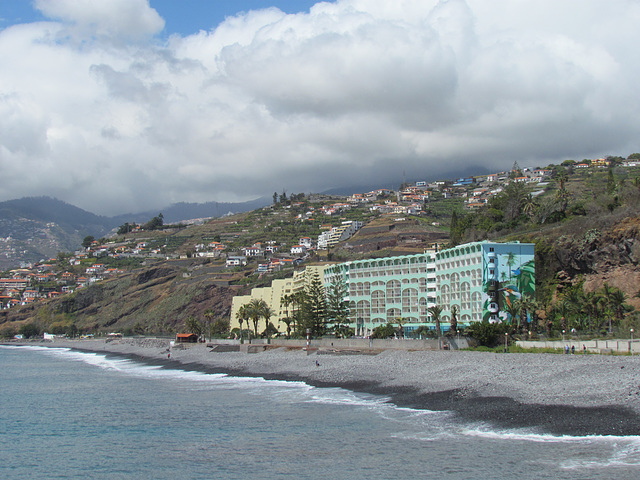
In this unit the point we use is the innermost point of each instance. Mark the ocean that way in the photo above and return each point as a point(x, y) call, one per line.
point(67, 414)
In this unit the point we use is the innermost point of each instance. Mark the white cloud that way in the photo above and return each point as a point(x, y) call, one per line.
point(94, 110)
point(106, 21)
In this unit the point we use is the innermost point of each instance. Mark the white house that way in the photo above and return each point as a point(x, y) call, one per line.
point(298, 250)
point(235, 261)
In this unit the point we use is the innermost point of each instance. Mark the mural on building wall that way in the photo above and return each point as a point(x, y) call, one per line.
point(510, 277)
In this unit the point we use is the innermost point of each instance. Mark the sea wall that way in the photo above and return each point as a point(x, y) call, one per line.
point(592, 346)
point(444, 343)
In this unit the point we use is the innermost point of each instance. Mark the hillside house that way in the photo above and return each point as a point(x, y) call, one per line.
point(236, 261)
point(253, 251)
point(298, 250)
point(306, 242)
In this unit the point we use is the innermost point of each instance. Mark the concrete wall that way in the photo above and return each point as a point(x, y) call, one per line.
point(452, 343)
point(597, 346)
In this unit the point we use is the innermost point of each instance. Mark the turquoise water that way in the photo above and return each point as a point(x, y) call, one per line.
point(66, 414)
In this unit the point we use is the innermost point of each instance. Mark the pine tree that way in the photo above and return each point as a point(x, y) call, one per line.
point(315, 306)
point(337, 306)
point(454, 230)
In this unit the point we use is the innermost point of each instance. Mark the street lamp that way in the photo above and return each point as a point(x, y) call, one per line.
point(631, 344)
point(562, 336)
point(506, 341)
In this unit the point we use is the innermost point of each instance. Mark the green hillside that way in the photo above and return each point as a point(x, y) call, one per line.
point(584, 220)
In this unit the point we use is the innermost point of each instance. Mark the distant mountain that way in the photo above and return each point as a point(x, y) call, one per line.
point(36, 228)
point(51, 210)
point(182, 211)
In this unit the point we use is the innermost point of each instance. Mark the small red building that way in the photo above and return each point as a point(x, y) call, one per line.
point(186, 338)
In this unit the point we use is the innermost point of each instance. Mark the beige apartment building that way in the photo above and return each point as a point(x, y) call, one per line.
point(273, 296)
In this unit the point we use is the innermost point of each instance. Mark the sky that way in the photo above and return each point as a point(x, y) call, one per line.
point(131, 105)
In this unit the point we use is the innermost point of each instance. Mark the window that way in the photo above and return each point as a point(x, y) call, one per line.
point(378, 305)
point(393, 314)
point(410, 300)
point(393, 291)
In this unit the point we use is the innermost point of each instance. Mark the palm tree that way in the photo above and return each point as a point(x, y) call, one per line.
point(529, 206)
point(618, 303)
point(592, 308)
point(242, 314)
point(193, 325)
point(513, 309)
point(607, 294)
point(297, 300)
point(208, 314)
point(435, 313)
point(267, 313)
point(454, 318)
point(527, 305)
point(256, 309)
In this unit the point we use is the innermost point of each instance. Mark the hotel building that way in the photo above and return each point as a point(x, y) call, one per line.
point(480, 279)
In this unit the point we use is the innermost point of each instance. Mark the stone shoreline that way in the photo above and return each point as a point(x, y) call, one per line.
point(557, 394)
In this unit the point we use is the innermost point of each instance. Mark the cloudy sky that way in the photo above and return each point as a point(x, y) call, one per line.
point(130, 105)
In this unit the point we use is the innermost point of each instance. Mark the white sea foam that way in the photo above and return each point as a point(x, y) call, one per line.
point(284, 391)
point(624, 450)
point(531, 436)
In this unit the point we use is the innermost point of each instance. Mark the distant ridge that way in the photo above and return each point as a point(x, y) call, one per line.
point(186, 211)
point(51, 210)
point(36, 228)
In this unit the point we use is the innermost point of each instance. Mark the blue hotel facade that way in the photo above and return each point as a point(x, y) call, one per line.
point(481, 279)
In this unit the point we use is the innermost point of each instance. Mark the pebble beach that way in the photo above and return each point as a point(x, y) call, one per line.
point(558, 394)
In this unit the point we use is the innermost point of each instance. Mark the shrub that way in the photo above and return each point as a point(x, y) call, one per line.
point(29, 330)
point(488, 334)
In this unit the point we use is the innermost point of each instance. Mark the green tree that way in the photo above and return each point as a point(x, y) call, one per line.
point(315, 306)
point(607, 294)
point(529, 206)
point(209, 315)
point(618, 303)
point(454, 319)
point(454, 232)
point(193, 326)
point(562, 195)
point(126, 228)
point(528, 307)
point(155, 223)
point(611, 182)
point(384, 331)
point(513, 309)
point(488, 334)
point(285, 301)
point(256, 308)
point(88, 240)
point(269, 329)
point(337, 306)
point(219, 328)
point(435, 313)
point(242, 314)
point(29, 330)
